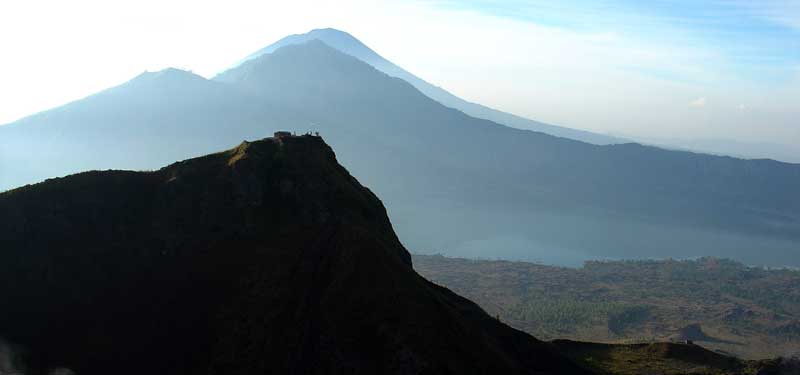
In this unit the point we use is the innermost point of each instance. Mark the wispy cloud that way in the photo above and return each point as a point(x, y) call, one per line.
point(750, 40)
point(629, 66)
point(781, 12)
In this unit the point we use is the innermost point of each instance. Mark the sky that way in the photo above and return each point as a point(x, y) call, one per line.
point(713, 69)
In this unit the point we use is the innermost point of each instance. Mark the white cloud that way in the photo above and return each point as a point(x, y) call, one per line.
point(699, 102)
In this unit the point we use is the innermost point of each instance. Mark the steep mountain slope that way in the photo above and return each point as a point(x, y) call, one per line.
point(346, 43)
point(145, 123)
point(453, 183)
point(268, 258)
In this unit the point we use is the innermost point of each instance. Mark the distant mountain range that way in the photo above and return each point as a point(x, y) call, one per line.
point(453, 183)
point(346, 43)
point(729, 147)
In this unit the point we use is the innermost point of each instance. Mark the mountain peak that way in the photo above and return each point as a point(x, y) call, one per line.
point(262, 151)
point(314, 45)
point(329, 31)
point(348, 44)
point(167, 76)
point(167, 73)
point(311, 57)
point(337, 39)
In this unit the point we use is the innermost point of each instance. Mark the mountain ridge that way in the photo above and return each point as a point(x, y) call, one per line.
point(267, 258)
point(350, 45)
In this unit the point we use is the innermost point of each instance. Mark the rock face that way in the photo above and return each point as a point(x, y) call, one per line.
point(268, 258)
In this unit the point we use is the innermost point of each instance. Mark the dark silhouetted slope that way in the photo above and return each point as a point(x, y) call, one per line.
point(268, 258)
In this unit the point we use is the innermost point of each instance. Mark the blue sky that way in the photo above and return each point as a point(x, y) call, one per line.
point(759, 39)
